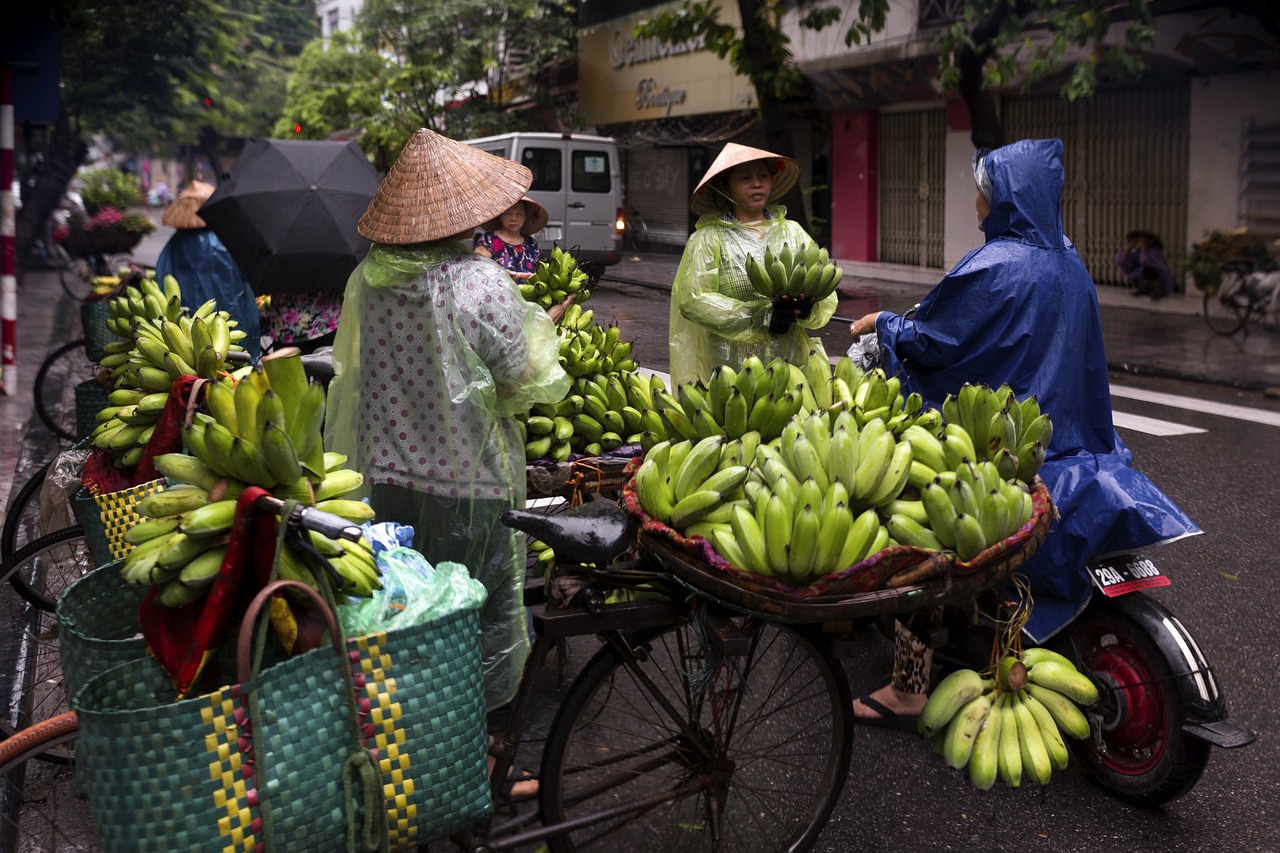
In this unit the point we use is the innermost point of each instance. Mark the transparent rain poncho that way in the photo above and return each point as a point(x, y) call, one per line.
point(717, 317)
point(435, 356)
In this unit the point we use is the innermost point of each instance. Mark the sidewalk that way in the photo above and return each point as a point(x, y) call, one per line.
point(1166, 338)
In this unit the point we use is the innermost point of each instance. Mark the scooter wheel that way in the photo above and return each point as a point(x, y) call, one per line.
point(1140, 753)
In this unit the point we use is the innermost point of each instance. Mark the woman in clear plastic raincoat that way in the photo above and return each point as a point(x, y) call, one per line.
point(435, 356)
point(1023, 310)
point(717, 317)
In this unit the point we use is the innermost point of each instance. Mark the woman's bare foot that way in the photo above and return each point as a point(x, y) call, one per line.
point(520, 786)
point(898, 701)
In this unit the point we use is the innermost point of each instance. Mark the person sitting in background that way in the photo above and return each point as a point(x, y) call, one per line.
point(203, 267)
point(1143, 263)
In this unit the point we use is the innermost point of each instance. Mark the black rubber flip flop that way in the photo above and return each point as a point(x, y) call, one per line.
point(887, 719)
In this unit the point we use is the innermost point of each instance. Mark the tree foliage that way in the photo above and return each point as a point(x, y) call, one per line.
point(454, 66)
point(990, 45)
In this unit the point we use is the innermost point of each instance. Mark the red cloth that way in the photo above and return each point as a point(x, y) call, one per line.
point(185, 639)
point(167, 437)
point(101, 477)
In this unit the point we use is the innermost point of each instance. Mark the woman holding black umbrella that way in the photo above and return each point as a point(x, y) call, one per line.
point(437, 354)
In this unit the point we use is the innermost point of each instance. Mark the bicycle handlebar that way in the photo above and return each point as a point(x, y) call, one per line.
point(309, 518)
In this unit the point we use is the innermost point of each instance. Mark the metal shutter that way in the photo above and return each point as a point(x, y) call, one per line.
point(1125, 154)
point(913, 187)
point(1260, 179)
point(657, 182)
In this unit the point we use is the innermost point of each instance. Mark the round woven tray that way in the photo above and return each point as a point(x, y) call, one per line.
point(898, 580)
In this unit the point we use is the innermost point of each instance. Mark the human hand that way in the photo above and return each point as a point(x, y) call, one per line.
point(519, 276)
point(864, 325)
point(803, 306)
point(557, 311)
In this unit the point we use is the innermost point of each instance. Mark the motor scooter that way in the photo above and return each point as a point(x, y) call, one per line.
point(1161, 709)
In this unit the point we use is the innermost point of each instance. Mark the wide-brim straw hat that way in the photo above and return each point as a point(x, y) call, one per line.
point(535, 218)
point(786, 172)
point(439, 188)
point(181, 212)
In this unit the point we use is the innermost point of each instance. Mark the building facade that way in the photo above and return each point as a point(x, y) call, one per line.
point(885, 156)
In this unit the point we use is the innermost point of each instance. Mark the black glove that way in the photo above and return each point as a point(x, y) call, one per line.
point(783, 316)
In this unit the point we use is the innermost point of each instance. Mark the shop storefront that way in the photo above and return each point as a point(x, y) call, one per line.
point(670, 106)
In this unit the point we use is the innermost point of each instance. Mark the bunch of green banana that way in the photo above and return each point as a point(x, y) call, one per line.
point(162, 351)
point(803, 273)
point(587, 349)
point(182, 543)
point(143, 300)
point(971, 509)
point(1013, 433)
point(1011, 726)
point(600, 413)
point(555, 280)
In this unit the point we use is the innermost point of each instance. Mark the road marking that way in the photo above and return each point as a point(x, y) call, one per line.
point(1151, 426)
point(1196, 404)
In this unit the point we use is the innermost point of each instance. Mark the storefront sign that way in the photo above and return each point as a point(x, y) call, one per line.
point(622, 78)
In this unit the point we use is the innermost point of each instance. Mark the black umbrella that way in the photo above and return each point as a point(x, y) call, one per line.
point(287, 213)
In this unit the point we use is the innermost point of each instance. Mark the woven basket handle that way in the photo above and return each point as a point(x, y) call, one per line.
point(244, 642)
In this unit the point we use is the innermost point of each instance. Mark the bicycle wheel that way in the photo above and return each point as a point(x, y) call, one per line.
point(749, 746)
point(39, 809)
point(76, 275)
point(1227, 311)
point(22, 514)
point(42, 570)
point(55, 383)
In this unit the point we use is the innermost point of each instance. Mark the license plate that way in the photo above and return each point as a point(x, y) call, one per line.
point(550, 234)
point(1126, 574)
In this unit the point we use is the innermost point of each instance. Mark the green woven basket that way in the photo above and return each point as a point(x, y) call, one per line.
point(98, 625)
point(91, 398)
point(273, 759)
point(426, 725)
point(89, 514)
point(94, 314)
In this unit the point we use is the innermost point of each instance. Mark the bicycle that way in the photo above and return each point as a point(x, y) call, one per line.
point(1243, 297)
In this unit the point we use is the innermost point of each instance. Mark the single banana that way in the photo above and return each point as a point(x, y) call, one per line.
point(693, 506)
point(952, 693)
point(1010, 748)
point(1050, 735)
point(985, 755)
point(216, 517)
point(1035, 757)
point(1064, 679)
point(963, 729)
point(1070, 719)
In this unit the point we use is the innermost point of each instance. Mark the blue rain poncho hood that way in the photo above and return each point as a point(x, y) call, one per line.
point(205, 270)
point(717, 317)
point(1022, 309)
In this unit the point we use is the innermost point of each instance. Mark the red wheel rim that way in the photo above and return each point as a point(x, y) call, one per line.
point(1135, 718)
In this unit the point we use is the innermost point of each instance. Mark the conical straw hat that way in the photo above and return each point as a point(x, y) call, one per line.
point(535, 218)
point(438, 188)
point(181, 213)
point(786, 172)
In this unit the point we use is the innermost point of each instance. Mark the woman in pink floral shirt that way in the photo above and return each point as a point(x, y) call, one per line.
point(508, 238)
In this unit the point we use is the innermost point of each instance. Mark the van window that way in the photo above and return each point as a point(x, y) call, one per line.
point(591, 172)
point(546, 168)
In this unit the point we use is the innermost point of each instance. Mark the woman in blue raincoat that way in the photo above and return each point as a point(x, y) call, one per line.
point(204, 268)
point(717, 317)
point(1022, 310)
point(436, 355)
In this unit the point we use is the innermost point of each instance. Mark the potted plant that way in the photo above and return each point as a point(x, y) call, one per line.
point(1219, 251)
point(106, 232)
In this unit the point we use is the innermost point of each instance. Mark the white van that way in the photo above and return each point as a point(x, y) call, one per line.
point(576, 178)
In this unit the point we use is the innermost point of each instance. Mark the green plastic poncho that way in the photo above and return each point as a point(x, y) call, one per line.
point(717, 317)
point(435, 356)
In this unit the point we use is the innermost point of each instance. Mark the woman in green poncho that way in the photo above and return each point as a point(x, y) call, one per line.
point(436, 354)
point(717, 317)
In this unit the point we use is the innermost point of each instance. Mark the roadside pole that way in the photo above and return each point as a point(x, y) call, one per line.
point(8, 265)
